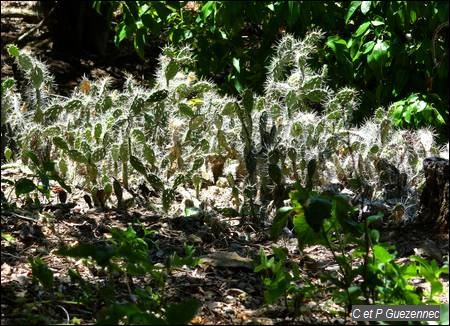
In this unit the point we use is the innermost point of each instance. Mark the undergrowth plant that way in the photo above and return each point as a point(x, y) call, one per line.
point(123, 259)
point(368, 272)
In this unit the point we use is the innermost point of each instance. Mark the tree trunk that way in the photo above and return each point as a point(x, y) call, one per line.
point(435, 197)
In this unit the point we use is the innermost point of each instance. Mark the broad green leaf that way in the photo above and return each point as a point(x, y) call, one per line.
point(379, 55)
point(7, 237)
point(280, 221)
point(365, 6)
point(377, 23)
point(351, 10)
point(102, 254)
point(316, 210)
point(362, 29)
point(208, 8)
point(305, 234)
point(374, 218)
point(367, 47)
point(381, 254)
point(191, 211)
point(341, 209)
point(236, 65)
point(24, 186)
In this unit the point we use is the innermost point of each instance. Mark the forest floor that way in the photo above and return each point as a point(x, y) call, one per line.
point(225, 284)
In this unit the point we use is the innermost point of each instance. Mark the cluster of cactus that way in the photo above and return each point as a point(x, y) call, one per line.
point(171, 134)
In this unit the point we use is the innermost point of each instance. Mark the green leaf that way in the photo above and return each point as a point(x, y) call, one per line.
point(305, 234)
point(121, 33)
point(182, 313)
point(367, 47)
point(191, 211)
point(365, 6)
point(353, 6)
point(24, 186)
point(280, 221)
point(7, 237)
point(236, 65)
point(101, 253)
point(362, 29)
point(317, 209)
point(41, 272)
point(376, 23)
point(207, 9)
point(379, 55)
point(374, 218)
point(32, 157)
point(137, 165)
point(381, 254)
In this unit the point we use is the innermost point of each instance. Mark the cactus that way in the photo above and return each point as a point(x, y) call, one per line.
point(182, 126)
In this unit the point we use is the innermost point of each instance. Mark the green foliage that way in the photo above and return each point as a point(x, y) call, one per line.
point(189, 260)
point(415, 111)
point(128, 254)
point(41, 272)
point(330, 220)
point(382, 49)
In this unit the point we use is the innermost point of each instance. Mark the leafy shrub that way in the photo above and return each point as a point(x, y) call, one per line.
point(416, 112)
point(368, 273)
point(127, 254)
point(381, 49)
